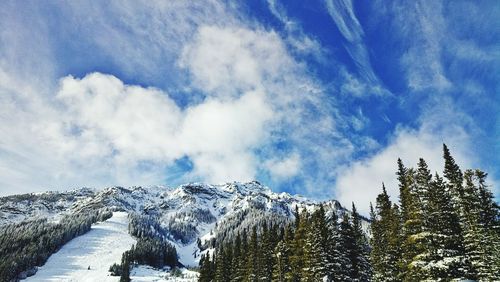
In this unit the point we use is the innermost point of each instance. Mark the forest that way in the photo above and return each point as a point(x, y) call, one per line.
point(442, 228)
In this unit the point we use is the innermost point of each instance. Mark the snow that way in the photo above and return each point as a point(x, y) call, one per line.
point(186, 253)
point(144, 273)
point(99, 248)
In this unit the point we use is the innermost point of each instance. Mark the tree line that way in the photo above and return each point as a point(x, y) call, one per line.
point(28, 244)
point(442, 229)
point(312, 248)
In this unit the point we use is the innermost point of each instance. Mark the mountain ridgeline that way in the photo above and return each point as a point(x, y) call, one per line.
point(194, 219)
point(441, 228)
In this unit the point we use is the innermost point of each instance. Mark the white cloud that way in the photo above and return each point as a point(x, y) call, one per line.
point(361, 181)
point(284, 168)
point(97, 130)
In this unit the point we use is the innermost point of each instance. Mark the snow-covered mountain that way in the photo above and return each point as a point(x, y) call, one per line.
point(194, 215)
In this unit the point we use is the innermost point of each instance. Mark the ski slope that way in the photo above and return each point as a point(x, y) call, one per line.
point(99, 248)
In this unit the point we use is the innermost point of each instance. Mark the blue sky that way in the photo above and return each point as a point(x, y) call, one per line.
point(312, 97)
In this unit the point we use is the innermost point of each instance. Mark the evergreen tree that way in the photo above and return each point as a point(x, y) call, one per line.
point(478, 240)
point(360, 254)
point(454, 183)
point(281, 267)
point(347, 243)
point(297, 257)
point(443, 246)
point(266, 254)
point(315, 247)
point(405, 198)
point(243, 263)
point(489, 221)
point(237, 256)
point(416, 235)
point(489, 210)
point(222, 261)
point(386, 247)
point(337, 254)
point(453, 174)
point(206, 269)
point(253, 269)
point(125, 273)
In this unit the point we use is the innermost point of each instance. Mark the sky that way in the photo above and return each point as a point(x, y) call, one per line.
point(318, 98)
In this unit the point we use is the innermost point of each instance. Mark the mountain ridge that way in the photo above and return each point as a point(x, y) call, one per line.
point(194, 215)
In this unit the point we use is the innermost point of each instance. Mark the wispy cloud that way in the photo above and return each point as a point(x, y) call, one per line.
point(295, 35)
point(343, 15)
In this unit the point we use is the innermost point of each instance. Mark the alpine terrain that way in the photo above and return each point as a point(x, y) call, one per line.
point(193, 218)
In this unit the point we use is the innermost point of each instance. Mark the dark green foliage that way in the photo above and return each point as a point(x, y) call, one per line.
point(316, 247)
point(360, 252)
point(115, 269)
point(125, 267)
point(386, 245)
point(310, 249)
point(28, 244)
point(153, 252)
point(206, 269)
point(147, 251)
point(450, 227)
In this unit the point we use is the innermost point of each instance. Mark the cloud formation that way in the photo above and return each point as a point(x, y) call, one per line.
point(155, 92)
point(109, 132)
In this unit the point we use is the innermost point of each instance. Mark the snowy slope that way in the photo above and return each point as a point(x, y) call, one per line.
point(102, 246)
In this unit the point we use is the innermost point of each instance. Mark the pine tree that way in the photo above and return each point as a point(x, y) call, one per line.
point(297, 257)
point(416, 235)
point(315, 247)
point(266, 254)
point(125, 277)
point(347, 243)
point(454, 184)
point(237, 256)
point(253, 269)
point(386, 250)
point(281, 267)
point(489, 221)
point(243, 263)
point(443, 261)
point(206, 269)
point(478, 240)
point(450, 228)
point(337, 254)
point(361, 262)
point(453, 174)
point(489, 210)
